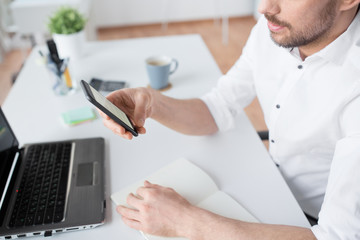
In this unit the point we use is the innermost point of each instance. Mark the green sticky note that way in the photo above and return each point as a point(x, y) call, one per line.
point(79, 115)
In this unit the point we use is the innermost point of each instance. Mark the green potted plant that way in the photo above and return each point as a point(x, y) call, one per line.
point(67, 28)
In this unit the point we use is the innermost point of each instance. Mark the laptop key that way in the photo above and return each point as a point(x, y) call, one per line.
point(12, 220)
point(32, 210)
point(39, 218)
point(19, 222)
point(29, 220)
point(49, 214)
point(58, 217)
point(12, 223)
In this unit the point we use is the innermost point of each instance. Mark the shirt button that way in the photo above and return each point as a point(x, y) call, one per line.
point(300, 67)
point(272, 140)
point(277, 106)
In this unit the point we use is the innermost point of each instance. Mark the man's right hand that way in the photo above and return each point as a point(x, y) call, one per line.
point(187, 116)
point(136, 103)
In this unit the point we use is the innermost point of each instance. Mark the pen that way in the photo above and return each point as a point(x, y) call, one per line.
point(65, 72)
point(43, 58)
point(67, 78)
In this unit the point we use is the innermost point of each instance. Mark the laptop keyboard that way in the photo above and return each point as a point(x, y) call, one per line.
point(42, 193)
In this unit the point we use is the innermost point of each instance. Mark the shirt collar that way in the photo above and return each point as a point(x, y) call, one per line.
point(337, 51)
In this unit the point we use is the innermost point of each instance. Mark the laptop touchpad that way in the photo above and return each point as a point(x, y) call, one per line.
point(86, 174)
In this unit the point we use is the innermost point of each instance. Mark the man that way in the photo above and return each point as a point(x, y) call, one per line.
point(306, 75)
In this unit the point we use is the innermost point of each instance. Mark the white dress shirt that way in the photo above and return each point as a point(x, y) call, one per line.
point(312, 110)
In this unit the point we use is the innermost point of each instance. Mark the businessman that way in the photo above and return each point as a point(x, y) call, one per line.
point(302, 60)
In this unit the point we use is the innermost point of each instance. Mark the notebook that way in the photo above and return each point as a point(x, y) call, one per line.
point(196, 186)
point(52, 187)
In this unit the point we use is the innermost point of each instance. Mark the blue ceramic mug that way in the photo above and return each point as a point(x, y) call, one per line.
point(159, 69)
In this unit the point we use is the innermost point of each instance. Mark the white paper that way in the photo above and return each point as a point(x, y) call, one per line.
point(196, 186)
point(188, 180)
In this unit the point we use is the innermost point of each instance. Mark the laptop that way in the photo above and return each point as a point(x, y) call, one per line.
point(49, 188)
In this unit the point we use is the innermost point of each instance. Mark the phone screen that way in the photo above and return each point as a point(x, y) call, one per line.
point(107, 107)
point(111, 107)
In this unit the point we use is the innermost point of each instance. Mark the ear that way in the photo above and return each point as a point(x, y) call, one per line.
point(348, 4)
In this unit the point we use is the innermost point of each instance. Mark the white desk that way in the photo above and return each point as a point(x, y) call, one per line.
point(236, 160)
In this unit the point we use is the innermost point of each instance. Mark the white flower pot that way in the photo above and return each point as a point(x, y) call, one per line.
point(70, 45)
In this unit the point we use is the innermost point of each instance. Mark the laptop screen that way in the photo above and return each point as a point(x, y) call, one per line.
point(8, 149)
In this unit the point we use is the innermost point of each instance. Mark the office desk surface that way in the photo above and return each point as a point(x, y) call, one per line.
point(236, 160)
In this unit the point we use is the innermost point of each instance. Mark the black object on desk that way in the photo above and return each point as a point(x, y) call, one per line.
point(54, 55)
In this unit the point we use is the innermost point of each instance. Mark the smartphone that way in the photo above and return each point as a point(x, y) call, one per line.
point(107, 86)
point(107, 107)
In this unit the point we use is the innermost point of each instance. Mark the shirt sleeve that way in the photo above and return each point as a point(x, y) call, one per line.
point(235, 90)
point(339, 217)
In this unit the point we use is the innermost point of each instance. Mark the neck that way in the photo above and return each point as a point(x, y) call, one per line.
point(341, 24)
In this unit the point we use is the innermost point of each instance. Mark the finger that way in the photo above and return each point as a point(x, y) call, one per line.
point(141, 130)
point(117, 129)
point(102, 114)
point(146, 191)
point(113, 126)
point(132, 223)
point(134, 201)
point(128, 212)
point(141, 192)
point(128, 136)
point(151, 185)
point(148, 184)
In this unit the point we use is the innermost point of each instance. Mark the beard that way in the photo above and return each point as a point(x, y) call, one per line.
point(310, 33)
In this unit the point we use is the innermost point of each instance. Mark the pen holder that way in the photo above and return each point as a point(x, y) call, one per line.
point(62, 82)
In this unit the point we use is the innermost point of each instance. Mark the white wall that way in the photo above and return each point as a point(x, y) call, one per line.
point(130, 12)
point(256, 13)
